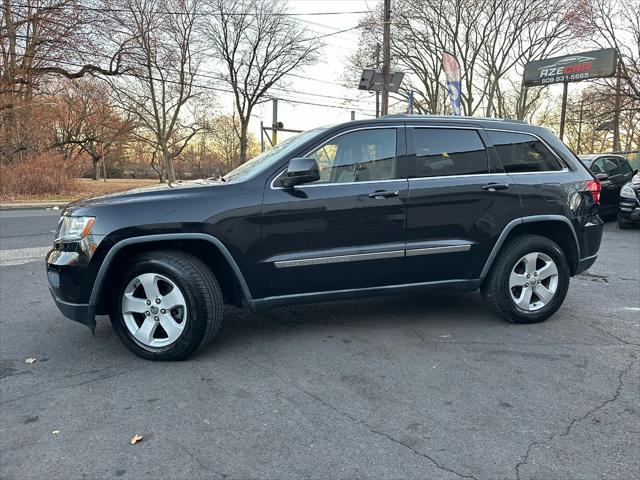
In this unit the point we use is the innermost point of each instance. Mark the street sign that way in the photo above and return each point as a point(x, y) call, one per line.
point(371, 80)
point(571, 68)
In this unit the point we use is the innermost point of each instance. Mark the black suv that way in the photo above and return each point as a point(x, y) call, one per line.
point(364, 208)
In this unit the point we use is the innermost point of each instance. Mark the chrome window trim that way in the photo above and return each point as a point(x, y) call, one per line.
point(564, 168)
point(378, 127)
point(461, 176)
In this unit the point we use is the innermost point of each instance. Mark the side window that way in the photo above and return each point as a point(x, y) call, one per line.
point(606, 165)
point(598, 166)
point(359, 156)
point(448, 151)
point(521, 152)
point(624, 167)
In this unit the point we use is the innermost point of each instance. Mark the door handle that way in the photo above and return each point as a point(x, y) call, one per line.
point(380, 194)
point(492, 187)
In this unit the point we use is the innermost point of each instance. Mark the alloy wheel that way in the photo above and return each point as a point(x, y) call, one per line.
point(533, 281)
point(154, 310)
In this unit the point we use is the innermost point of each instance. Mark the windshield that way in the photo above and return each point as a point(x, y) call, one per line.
point(269, 157)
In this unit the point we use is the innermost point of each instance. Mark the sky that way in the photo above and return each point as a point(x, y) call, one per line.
point(322, 85)
point(327, 73)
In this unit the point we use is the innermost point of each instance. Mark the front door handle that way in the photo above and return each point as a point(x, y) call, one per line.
point(492, 187)
point(380, 194)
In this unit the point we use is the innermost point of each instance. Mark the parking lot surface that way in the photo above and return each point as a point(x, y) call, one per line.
point(409, 387)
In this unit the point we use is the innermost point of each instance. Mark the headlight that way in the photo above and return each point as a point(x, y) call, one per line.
point(627, 192)
point(74, 228)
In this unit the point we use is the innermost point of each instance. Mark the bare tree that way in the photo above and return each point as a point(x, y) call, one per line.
point(492, 39)
point(89, 122)
point(162, 60)
point(616, 24)
point(259, 44)
point(41, 40)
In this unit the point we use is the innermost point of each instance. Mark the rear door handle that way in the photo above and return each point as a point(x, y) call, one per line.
point(380, 194)
point(492, 187)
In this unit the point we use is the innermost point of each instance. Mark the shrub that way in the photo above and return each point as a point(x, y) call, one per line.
point(43, 174)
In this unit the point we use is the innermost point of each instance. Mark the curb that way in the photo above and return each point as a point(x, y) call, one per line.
point(33, 205)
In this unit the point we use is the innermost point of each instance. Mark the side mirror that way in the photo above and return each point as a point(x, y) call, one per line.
point(300, 171)
point(602, 176)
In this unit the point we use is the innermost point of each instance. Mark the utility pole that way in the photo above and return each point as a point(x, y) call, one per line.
point(580, 125)
point(377, 92)
point(386, 57)
point(563, 112)
point(616, 114)
point(274, 135)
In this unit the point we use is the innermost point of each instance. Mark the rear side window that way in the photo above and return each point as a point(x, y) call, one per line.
point(625, 168)
point(521, 152)
point(448, 151)
point(605, 165)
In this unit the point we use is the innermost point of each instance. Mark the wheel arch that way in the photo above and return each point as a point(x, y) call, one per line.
point(555, 227)
point(232, 282)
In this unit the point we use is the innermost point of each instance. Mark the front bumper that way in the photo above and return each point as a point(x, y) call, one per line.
point(84, 313)
point(71, 276)
point(629, 207)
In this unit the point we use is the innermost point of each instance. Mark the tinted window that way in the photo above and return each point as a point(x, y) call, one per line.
point(359, 156)
point(520, 152)
point(625, 168)
point(605, 165)
point(448, 151)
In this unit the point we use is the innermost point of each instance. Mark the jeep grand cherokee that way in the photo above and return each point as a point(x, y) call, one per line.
point(364, 208)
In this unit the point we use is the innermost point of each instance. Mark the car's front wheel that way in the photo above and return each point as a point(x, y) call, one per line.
point(529, 280)
point(166, 306)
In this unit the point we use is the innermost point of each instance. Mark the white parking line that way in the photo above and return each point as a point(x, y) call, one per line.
point(18, 256)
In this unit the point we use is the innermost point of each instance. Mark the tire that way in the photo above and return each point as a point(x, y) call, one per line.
point(193, 312)
point(514, 258)
point(622, 223)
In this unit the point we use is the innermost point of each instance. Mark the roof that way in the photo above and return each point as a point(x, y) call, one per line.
point(405, 116)
point(594, 156)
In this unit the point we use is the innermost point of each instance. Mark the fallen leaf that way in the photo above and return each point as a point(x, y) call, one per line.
point(55, 432)
point(136, 438)
point(30, 360)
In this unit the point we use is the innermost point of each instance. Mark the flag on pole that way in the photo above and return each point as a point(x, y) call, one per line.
point(452, 73)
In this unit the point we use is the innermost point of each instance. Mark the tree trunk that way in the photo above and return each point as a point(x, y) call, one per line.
point(95, 161)
point(244, 143)
point(167, 159)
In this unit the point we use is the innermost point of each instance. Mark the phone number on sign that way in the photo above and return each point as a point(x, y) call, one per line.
point(566, 78)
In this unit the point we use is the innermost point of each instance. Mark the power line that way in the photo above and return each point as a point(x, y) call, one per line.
point(169, 12)
point(223, 90)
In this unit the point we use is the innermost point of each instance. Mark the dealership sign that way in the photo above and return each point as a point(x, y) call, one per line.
point(571, 68)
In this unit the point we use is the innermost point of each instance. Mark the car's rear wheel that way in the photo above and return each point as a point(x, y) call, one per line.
point(529, 280)
point(167, 305)
point(622, 223)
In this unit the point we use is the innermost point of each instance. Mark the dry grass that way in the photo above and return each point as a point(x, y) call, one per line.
point(79, 188)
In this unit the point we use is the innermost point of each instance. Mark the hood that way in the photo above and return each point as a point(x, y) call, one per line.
point(177, 190)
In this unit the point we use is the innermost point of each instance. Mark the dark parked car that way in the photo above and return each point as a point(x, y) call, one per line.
point(365, 208)
point(613, 171)
point(629, 210)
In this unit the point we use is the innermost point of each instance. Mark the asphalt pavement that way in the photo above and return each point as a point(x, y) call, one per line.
point(428, 386)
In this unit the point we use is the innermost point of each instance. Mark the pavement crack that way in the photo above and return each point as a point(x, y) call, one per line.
point(363, 423)
point(606, 332)
point(204, 467)
point(576, 420)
